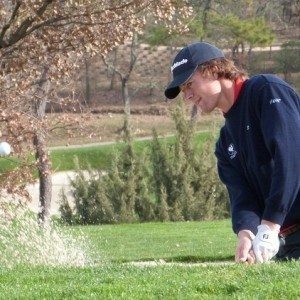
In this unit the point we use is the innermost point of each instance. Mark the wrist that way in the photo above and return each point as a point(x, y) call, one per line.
point(245, 233)
point(272, 226)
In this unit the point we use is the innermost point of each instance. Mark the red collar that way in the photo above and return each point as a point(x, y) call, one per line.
point(238, 84)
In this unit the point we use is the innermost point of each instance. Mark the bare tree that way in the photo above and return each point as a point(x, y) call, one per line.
point(124, 75)
point(54, 34)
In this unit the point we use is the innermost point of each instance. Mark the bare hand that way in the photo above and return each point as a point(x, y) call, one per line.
point(244, 253)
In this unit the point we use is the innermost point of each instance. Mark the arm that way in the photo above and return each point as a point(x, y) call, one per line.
point(278, 109)
point(279, 113)
point(244, 209)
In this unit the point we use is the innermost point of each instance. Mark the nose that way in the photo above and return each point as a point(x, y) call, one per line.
point(187, 95)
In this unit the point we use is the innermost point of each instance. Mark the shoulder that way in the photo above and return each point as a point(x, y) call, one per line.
point(260, 81)
point(268, 88)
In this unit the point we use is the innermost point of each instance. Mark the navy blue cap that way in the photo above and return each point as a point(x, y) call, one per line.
point(186, 62)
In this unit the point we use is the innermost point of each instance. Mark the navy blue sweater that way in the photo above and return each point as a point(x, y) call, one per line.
point(258, 154)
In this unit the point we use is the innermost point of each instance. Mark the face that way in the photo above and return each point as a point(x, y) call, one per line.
point(204, 92)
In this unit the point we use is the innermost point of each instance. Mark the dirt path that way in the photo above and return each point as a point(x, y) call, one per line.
point(60, 181)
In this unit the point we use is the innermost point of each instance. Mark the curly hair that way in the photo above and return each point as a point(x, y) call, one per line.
point(222, 67)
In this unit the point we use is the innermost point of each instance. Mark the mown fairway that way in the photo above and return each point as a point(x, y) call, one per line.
point(112, 276)
point(98, 157)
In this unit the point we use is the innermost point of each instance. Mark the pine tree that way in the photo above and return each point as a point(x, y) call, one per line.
point(102, 211)
point(144, 205)
point(176, 212)
point(65, 210)
point(162, 207)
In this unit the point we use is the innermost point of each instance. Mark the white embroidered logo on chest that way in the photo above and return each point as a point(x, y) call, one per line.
point(231, 151)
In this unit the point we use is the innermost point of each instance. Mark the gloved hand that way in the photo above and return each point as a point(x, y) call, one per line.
point(265, 244)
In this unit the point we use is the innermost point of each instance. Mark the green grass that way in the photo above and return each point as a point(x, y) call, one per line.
point(182, 241)
point(111, 278)
point(98, 157)
point(164, 282)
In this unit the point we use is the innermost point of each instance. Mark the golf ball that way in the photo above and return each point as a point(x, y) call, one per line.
point(5, 148)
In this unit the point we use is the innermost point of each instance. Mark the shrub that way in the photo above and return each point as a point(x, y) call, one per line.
point(91, 204)
point(172, 181)
point(187, 175)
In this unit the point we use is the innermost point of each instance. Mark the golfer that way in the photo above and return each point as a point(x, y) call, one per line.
point(258, 150)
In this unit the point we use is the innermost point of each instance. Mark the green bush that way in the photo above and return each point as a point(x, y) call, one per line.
point(174, 181)
point(185, 177)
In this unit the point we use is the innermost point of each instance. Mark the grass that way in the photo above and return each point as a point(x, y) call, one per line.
point(98, 157)
point(181, 242)
point(112, 247)
point(98, 128)
point(165, 282)
point(113, 279)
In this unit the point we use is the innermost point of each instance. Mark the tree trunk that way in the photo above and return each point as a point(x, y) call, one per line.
point(206, 10)
point(113, 75)
point(45, 180)
point(41, 153)
point(87, 82)
point(125, 78)
point(126, 97)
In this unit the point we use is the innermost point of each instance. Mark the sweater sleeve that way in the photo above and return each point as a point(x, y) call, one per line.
point(245, 210)
point(278, 107)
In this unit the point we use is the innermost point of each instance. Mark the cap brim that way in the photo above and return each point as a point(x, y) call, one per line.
point(173, 89)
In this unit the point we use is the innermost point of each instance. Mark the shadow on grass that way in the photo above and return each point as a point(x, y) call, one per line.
point(185, 259)
point(199, 259)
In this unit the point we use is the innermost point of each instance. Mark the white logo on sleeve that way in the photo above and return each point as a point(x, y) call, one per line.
point(231, 151)
point(275, 100)
point(179, 63)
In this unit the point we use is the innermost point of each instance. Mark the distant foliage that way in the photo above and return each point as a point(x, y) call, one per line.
point(171, 182)
point(287, 60)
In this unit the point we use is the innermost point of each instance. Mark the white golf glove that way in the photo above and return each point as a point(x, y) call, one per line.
point(265, 244)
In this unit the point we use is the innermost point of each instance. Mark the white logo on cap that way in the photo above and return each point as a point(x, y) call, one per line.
point(179, 63)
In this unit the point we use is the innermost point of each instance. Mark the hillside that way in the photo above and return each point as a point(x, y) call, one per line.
point(100, 89)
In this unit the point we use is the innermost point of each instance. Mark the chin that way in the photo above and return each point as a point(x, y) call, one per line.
point(206, 110)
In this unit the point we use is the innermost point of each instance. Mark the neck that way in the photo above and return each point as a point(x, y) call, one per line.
point(230, 92)
point(227, 95)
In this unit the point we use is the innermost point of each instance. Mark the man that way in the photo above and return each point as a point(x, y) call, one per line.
point(258, 150)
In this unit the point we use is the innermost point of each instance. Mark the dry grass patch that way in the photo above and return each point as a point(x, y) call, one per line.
point(96, 128)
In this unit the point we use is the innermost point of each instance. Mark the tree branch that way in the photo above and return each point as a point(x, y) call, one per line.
point(21, 31)
point(6, 26)
point(109, 66)
point(75, 19)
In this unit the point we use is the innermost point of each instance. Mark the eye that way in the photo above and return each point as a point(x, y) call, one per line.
point(186, 86)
